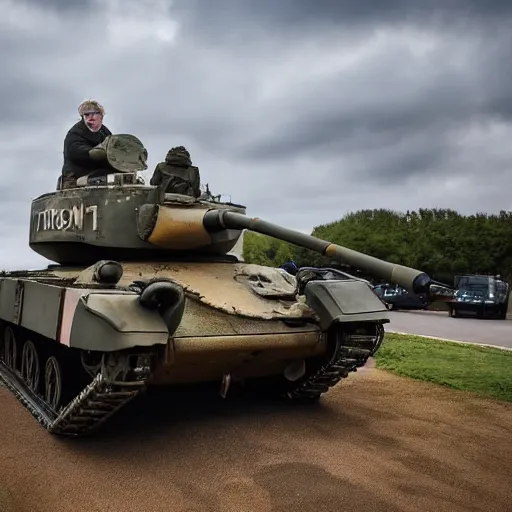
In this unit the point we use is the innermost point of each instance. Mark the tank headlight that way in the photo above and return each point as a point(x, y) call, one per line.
point(108, 272)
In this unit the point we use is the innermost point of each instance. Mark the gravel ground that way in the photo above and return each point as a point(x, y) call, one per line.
point(375, 443)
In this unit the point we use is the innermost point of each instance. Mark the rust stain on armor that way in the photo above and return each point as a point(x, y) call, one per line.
point(216, 285)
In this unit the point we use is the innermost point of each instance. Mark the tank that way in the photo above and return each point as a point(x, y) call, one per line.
point(145, 291)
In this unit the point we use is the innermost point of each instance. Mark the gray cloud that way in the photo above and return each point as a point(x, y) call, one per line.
point(61, 6)
point(219, 19)
point(302, 111)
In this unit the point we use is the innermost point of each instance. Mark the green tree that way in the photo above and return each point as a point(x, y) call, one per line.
point(441, 242)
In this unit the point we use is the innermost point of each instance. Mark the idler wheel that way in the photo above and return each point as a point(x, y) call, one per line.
point(53, 383)
point(30, 365)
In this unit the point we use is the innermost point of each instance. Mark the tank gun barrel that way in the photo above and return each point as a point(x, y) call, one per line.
point(409, 278)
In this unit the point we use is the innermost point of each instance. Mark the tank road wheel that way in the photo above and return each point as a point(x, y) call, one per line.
point(53, 383)
point(30, 365)
point(9, 351)
point(64, 379)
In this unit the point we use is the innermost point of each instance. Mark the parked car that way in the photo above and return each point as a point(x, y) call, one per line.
point(397, 297)
point(482, 295)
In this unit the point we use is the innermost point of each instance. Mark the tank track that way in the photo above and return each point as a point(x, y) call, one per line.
point(104, 396)
point(86, 412)
point(351, 351)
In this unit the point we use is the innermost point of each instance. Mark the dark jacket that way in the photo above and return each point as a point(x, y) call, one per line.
point(177, 180)
point(79, 140)
point(177, 174)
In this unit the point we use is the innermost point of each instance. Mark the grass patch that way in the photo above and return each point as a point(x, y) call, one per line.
point(483, 370)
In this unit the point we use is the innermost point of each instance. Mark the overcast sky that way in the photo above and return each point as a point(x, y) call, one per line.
point(300, 110)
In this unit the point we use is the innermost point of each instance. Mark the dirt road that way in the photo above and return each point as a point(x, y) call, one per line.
point(376, 443)
point(440, 325)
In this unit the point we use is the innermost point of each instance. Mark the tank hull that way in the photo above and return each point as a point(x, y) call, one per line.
point(101, 345)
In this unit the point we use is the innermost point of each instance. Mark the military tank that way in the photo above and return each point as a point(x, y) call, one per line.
point(144, 290)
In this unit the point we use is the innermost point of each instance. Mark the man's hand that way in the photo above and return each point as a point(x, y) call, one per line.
point(98, 154)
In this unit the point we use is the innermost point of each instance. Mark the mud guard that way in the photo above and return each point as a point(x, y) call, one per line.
point(347, 300)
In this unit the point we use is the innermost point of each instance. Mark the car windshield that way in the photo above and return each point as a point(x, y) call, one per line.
point(481, 284)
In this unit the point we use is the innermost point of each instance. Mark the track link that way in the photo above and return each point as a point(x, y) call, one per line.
point(85, 413)
point(350, 353)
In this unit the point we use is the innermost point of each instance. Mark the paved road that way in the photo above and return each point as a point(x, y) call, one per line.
point(440, 325)
point(376, 443)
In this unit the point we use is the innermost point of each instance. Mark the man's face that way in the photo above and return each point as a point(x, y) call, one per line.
point(93, 119)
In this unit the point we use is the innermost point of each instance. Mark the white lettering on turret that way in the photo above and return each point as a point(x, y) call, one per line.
point(66, 219)
point(94, 210)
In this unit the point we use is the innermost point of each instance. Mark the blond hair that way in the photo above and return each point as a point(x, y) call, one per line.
point(90, 105)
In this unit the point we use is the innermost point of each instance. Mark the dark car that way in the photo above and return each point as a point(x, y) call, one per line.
point(480, 295)
point(397, 297)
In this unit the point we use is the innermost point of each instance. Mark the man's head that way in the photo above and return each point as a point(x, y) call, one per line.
point(92, 113)
point(178, 156)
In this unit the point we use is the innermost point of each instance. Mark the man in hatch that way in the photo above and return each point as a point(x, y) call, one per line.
point(177, 175)
point(80, 156)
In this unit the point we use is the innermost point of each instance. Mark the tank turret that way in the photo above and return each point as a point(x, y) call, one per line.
point(82, 225)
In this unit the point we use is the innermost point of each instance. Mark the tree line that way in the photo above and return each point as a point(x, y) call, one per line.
point(441, 242)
